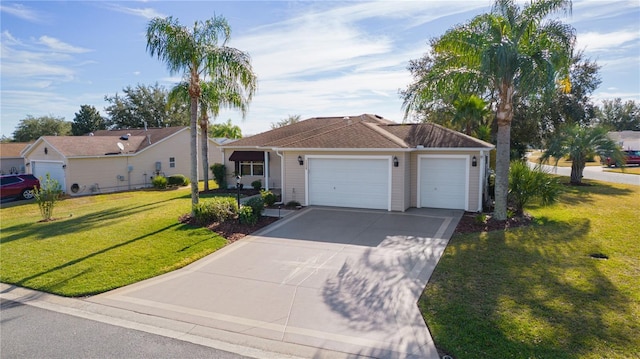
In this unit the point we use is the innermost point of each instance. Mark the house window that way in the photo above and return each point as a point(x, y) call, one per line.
point(251, 168)
point(172, 162)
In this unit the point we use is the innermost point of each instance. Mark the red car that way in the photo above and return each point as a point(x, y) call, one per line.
point(18, 186)
point(632, 157)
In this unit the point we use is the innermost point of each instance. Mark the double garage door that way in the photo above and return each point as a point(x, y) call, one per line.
point(349, 182)
point(54, 169)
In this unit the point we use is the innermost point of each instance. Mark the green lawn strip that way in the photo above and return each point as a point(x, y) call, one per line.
point(101, 242)
point(535, 292)
point(627, 170)
point(534, 157)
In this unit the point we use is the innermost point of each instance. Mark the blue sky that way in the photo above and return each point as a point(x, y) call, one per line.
point(312, 58)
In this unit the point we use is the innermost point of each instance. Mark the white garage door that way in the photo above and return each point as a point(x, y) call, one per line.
point(443, 182)
point(55, 170)
point(352, 182)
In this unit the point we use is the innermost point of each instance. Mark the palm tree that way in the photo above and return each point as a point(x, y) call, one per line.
point(510, 51)
point(580, 143)
point(198, 54)
point(470, 114)
point(214, 95)
point(226, 130)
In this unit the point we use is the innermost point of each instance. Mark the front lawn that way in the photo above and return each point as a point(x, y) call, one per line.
point(534, 157)
point(536, 292)
point(100, 242)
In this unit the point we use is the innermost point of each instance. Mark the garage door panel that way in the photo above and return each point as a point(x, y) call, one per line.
point(55, 170)
point(443, 183)
point(359, 183)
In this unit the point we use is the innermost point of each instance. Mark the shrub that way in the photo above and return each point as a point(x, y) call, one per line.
point(177, 180)
point(293, 204)
point(246, 216)
point(481, 218)
point(257, 184)
point(159, 182)
point(217, 209)
point(526, 184)
point(219, 171)
point(257, 205)
point(47, 196)
point(268, 197)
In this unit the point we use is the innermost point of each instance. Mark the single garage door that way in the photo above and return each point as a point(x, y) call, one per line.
point(55, 170)
point(443, 182)
point(352, 182)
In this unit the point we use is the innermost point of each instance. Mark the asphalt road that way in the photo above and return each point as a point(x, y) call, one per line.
point(30, 332)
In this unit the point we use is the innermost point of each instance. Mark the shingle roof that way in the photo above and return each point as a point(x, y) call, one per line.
point(73, 146)
point(12, 149)
point(153, 134)
point(364, 131)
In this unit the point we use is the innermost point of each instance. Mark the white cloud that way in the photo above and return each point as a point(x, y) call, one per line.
point(607, 41)
point(147, 13)
point(21, 11)
point(59, 46)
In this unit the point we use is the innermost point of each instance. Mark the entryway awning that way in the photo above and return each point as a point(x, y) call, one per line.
point(255, 156)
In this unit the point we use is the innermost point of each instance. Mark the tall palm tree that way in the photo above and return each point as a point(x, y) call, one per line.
point(215, 94)
point(580, 143)
point(470, 114)
point(226, 130)
point(509, 51)
point(198, 53)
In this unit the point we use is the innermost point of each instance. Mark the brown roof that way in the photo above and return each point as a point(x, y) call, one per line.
point(364, 131)
point(153, 134)
point(73, 146)
point(12, 149)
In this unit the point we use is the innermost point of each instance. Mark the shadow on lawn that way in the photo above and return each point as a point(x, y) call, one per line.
point(71, 224)
point(24, 281)
point(529, 293)
point(584, 194)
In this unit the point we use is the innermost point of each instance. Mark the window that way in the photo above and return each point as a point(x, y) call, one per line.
point(250, 168)
point(172, 162)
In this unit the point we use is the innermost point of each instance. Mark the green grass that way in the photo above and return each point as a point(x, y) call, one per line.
point(534, 157)
point(101, 242)
point(535, 292)
point(626, 170)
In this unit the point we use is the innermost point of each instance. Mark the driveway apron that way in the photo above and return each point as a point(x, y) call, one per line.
point(341, 280)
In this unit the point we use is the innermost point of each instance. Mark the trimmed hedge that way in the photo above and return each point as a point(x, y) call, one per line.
point(178, 180)
point(268, 197)
point(217, 209)
point(159, 182)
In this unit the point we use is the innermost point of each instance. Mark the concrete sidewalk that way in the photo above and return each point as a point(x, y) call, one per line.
point(320, 283)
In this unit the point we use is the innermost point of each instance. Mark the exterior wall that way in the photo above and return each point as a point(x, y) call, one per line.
point(474, 193)
point(9, 163)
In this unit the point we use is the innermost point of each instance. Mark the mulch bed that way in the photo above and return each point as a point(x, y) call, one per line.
point(232, 230)
point(469, 224)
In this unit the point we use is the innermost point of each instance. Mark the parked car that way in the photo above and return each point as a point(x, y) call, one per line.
point(632, 157)
point(18, 186)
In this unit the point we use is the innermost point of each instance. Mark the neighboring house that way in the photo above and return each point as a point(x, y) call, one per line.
point(627, 140)
point(109, 161)
point(11, 162)
point(364, 162)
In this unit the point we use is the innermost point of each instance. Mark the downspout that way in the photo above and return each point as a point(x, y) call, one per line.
point(482, 176)
point(266, 170)
point(282, 191)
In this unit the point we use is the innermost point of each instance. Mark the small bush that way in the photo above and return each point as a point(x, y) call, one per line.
point(219, 174)
point(159, 182)
point(268, 197)
point(481, 218)
point(47, 196)
point(257, 184)
point(293, 204)
point(217, 209)
point(246, 216)
point(525, 184)
point(178, 180)
point(257, 205)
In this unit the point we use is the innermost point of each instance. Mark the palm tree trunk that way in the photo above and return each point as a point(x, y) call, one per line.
point(194, 154)
point(576, 172)
point(502, 171)
point(205, 150)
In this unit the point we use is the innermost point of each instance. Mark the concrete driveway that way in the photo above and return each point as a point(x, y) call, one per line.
point(324, 282)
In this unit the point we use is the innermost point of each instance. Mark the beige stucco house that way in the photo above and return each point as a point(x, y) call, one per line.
point(364, 161)
point(11, 162)
point(118, 160)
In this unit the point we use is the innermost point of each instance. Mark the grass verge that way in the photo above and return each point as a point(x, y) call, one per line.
point(535, 292)
point(534, 157)
point(627, 170)
point(100, 242)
